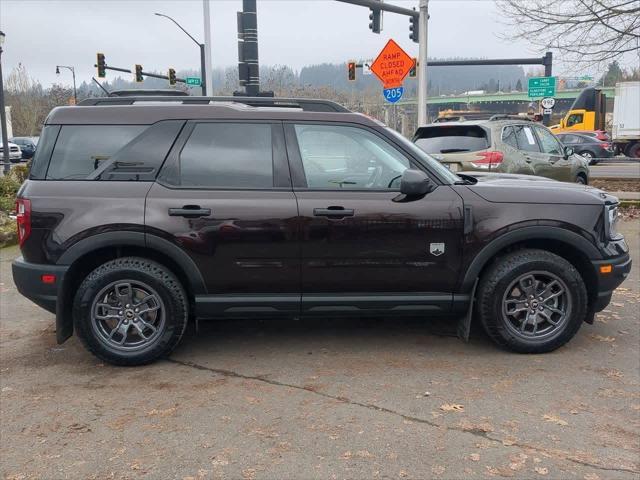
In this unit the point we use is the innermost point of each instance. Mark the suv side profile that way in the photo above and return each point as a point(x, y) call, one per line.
point(502, 144)
point(140, 215)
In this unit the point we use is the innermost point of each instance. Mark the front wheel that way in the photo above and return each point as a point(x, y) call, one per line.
point(130, 311)
point(531, 301)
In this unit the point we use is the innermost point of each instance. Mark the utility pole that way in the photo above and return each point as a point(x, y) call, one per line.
point(73, 73)
point(3, 118)
point(422, 62)
point(207, 48)
point(203, 56)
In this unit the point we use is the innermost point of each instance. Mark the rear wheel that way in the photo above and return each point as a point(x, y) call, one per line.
point(531, 301)
point(581, 178)
point(130, 311)
point(633, 150)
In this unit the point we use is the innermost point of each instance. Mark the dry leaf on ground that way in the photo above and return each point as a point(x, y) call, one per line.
point(452, 407)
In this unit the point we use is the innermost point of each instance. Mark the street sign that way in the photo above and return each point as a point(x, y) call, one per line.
point(392, 95)
point(542, 87)
point(392, 65)
point(547, 111)
point(548, 102)
point(366, 68)
point(195, 81)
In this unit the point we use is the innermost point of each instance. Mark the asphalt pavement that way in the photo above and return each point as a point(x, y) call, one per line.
point(323, 399)
point(615, 170)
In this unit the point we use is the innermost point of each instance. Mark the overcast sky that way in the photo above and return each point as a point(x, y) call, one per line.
point(41, 34)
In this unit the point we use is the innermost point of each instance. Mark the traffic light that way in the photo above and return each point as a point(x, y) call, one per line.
point(102, 66)
point(413, 72)
point(414, 29)
point(351, 68)
point(172, 76)
point(139, 73)
point(376, 20)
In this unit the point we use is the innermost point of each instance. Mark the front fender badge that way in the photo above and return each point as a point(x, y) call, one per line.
point(436, 249)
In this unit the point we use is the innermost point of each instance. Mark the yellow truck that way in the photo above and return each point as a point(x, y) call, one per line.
point(588, 114)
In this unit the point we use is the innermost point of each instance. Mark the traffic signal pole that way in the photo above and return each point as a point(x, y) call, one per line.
point(422, 63)
point(207, 72)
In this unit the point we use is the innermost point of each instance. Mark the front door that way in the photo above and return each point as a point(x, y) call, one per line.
point(363, 248)
point(224, 196)
point(554, 164)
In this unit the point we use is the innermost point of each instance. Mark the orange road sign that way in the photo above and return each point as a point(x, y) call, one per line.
point(392, 65)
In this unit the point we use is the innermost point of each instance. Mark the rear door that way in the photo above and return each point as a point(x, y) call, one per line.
point(363, 249)
point(529, 147)
point(224, 196)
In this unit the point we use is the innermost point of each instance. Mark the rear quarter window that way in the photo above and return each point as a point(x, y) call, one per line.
point(111, 152)
point(452, 139)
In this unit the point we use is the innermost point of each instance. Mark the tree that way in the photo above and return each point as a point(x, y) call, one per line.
point(28, 105)
point(614, 75)
point(587, 32)
point(519, 85)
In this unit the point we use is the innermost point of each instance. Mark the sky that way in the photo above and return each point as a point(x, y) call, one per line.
point(41, 34)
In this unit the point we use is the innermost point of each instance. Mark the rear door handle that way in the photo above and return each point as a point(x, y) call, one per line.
point(190, 211)
point(333, 212)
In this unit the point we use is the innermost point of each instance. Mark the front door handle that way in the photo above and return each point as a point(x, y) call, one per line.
point(333, 212)
point(190, 211)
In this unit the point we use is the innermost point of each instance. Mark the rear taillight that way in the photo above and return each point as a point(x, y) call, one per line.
point(489, 160)
point(605, 145)
point(23, 217)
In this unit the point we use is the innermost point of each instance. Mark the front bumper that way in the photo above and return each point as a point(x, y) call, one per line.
point(608, 282)
point(28, 279)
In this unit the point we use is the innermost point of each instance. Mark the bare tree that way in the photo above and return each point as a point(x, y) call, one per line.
point(26, 98)
point(586, 32)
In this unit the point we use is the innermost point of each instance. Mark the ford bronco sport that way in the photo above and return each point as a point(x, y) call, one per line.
point(143, 213)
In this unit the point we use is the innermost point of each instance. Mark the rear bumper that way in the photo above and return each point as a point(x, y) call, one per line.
point(608, 282)
point(28, 279)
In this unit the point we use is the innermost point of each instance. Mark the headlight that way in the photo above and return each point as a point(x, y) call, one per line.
point(612, 222)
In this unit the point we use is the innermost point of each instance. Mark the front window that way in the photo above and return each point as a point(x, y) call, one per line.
point(344, 157)
point(548, 142)
point(574, 119)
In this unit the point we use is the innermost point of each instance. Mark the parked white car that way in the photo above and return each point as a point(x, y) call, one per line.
point(15, 154)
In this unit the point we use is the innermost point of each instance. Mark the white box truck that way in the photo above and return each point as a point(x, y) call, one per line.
point(625, 128)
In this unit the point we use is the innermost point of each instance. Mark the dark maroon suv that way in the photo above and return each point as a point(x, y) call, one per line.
point(143, 213)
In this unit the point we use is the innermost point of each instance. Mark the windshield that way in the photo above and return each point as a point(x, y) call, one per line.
point(431, 162)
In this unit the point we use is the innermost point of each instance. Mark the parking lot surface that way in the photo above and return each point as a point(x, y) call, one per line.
point(323, 399)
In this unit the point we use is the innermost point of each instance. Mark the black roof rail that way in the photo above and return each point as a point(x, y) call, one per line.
point(495, 118)
point(306, 104)
point(144, 92)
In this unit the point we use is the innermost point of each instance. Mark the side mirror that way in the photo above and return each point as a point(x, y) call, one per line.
point(568, 151)
point(415, 183)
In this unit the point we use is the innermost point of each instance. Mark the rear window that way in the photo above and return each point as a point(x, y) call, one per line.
point(452, 139)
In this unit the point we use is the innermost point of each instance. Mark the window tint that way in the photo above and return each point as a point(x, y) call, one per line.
point(227, 155)
point(526, 138)
point(568, 139)
point(509, 137)
point(548, 142)
point(81, 149)
point(452, 138)
point(336, 157)
point(40, 161)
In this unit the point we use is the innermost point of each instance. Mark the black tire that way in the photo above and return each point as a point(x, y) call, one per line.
point(500, 277)
point(581, 179)
point(633, 150)
point(169, 307)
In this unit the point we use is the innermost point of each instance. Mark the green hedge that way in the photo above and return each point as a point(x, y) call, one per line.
point(9, 186)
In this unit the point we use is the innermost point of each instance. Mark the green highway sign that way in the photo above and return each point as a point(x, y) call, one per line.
point(542, 87)
point(193, 81)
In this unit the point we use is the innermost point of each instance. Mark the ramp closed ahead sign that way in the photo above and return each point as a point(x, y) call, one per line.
point(392, 65)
